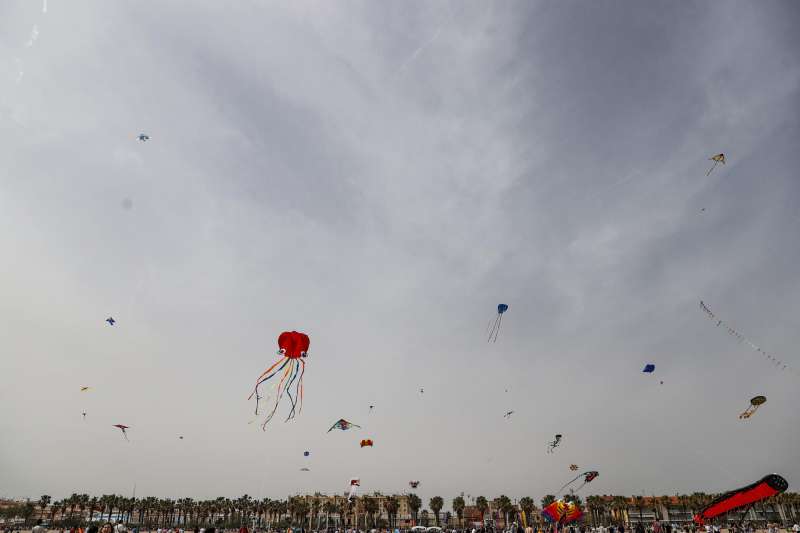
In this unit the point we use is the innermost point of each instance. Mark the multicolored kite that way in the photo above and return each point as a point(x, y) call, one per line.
point(562, 512)
point(293, 348)
point(343, 424)
point(746, 496)
point(366, 442)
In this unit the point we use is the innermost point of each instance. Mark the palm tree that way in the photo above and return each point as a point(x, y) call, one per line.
point(44, 501)
point(619, 508)
point(483, 505)
point(638, 501)
point(53, 509)
point(392, 505)
point(436, 503)
point(458, 508)
point(414, 503)
point(503, 504)
point(370, 507)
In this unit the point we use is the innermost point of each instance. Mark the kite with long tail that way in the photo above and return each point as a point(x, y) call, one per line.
point(766, 487)
point(123, 428)
point(588, 477)
point(494, 326)
point(741, 338)
point(293, 348)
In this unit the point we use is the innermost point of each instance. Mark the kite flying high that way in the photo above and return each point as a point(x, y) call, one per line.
point(494, 327)
point(123, 428)
point(755, 403)
point(293, 348)
point(551, 446)
point(344, 425)
point(717, 159)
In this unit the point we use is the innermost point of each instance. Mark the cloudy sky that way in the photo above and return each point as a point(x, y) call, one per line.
point(381, 175)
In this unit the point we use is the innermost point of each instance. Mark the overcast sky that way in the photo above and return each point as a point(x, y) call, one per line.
point(380, 175)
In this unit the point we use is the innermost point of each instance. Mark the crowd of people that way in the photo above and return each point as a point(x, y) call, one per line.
point(655, 527)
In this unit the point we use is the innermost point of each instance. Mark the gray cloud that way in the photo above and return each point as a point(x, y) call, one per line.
point(381, 176)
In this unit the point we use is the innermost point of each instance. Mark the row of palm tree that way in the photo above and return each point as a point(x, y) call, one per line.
point(367, 510)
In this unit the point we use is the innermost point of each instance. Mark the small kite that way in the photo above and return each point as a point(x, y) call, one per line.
point(573, 467)
point(111, 321)
point(344, 425)
point(293, 348)
point(84, 389)
point(354, 484)
point(84, 416)
point(143, 137)
point(508, 414)
point(494, 326)
point(366, 442)
point(122, 428)
point(306, 453)
point(741, 338)
point(562, 512)
point(717, 159)
point(181, 437)
point(588, 477)
point(649, 368)
point(305, 469)
point(421, 390)
point(551, 446)
point(371, 407)
point(413, 484)
point(766, 487)
point(755, 403)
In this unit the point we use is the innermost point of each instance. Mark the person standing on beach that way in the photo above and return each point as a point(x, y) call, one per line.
point(39, 528)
